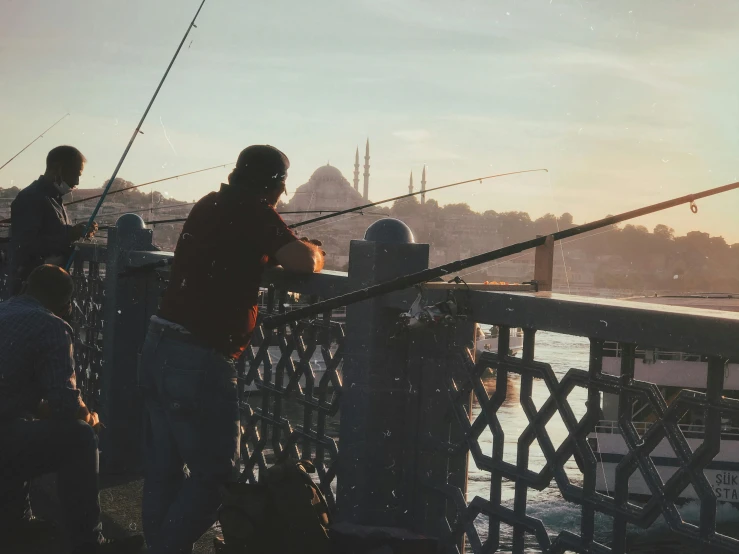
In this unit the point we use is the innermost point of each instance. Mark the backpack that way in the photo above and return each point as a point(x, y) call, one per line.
point(285, 512)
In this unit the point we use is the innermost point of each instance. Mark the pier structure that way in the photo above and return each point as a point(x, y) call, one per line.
point(395, 418)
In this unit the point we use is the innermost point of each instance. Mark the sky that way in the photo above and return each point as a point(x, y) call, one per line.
point(627, 103)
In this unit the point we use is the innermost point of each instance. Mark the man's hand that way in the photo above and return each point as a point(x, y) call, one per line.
point(315, 242)
point(76, 232)
point(91, 418)
point(94, 422)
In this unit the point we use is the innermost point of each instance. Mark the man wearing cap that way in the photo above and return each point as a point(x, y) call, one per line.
point(40, 229)
point(187, 369)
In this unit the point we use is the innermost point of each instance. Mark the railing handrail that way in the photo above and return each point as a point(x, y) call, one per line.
point(611, 426)
point(690, 330)
point(668, 328)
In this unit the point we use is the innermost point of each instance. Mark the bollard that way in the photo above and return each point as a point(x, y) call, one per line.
point(129, 302)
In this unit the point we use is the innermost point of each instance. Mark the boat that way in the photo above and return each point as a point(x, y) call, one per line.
point(487, 340)
point(671, 372)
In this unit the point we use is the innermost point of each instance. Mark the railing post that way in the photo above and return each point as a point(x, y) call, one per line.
point(437, 357)
point(376, 436)
point(128, 306)
point(544, 264)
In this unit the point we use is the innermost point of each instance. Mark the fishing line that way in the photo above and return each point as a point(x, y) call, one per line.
point(410, 194)
point(561, 247)
point(34, 140)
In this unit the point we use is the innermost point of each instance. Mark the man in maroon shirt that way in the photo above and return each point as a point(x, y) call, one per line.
point(207, 316)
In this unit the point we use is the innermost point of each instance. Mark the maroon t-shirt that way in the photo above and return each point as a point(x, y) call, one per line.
point(220, 256)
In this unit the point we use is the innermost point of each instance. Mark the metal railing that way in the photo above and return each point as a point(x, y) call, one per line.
point(701, 332)
point(87, 322)
point(87, 315)
point(428, 412)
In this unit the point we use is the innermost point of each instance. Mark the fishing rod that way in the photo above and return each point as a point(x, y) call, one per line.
point(180, 220)
point(134, 135)
point(138, 186)
point(163, 263)
point(328, 214)
point(142, 210)
point(183, 219)
point(34, 140)
point(144, 184)
point(420, 277)
point(402, 196)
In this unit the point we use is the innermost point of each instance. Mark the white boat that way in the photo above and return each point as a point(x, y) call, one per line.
point(488, 341)
point(671, 372)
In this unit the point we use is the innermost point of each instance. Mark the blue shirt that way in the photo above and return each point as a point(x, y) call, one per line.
point(36, 360)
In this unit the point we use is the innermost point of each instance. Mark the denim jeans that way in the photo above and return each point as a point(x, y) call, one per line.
point(69, 448)
point(192, 436)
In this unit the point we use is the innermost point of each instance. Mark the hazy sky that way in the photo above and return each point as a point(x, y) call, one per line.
point(626, 102)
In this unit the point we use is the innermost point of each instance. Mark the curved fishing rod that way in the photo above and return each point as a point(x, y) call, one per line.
point(34, 140)
point(402, 196)
point(112, 192)
point(143, 210)
point(328, 214)
point(183, 219)
point(135, 187)
point(133, 137)
point(180, 220)
point(168, 261)
point(420, 277)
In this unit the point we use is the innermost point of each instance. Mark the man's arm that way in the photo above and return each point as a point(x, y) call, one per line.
point(281, 245)
point(300, 256)
point(55, 371)
point(27, 217)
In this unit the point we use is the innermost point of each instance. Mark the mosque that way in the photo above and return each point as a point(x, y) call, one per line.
point(327, 189)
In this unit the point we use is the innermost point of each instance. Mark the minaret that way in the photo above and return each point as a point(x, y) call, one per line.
point(356, 170)
point(366, 171)
point(410, 185)
point(423, 186)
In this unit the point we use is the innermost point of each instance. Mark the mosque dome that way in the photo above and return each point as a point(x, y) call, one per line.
point(327, 189)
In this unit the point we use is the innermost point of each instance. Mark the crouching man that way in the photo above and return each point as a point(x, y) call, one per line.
point(45, 426)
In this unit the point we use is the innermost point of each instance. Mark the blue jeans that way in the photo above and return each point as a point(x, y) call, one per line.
point(69, 448)
point(191, 413)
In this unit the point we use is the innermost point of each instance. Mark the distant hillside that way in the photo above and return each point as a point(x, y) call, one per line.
point(629, 257)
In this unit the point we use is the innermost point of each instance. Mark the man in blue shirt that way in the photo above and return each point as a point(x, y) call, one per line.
point(40, 228)
point(45, 426)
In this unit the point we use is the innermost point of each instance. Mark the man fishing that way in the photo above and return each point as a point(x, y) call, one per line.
point(187, 369)
point(45, 426)
point(40, 229)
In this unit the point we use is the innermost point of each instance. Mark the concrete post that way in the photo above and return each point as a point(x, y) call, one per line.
point(395, 403)
point(129, 302)
point(376, 467)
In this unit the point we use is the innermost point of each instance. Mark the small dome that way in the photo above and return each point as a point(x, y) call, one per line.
point(389, 230)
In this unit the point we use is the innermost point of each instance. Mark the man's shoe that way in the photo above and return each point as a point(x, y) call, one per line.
point(126, 545)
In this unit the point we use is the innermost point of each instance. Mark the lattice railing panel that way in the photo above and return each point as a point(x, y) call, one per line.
point(296, 371)
point(467, 377)
point(87, 322)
